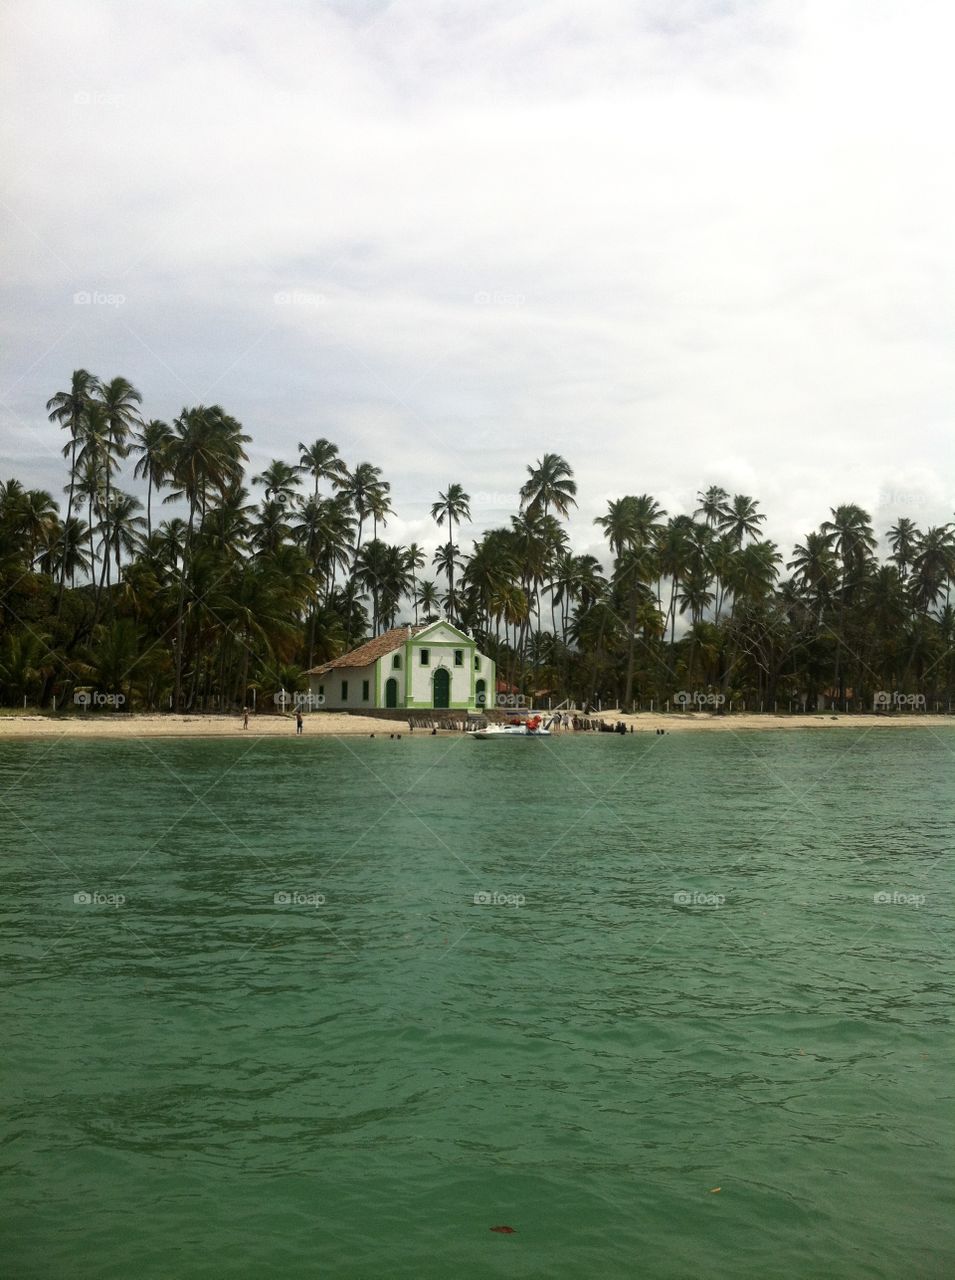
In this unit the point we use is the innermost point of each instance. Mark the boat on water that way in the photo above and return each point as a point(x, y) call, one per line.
point(532, 727)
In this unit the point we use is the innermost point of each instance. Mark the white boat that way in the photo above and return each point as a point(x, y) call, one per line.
point(533, 727)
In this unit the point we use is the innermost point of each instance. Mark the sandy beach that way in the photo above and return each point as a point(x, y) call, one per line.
point(332, 724)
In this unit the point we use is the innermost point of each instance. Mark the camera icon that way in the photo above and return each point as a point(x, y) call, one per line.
point(882, 699)
point(82, 899)
point(482, 899)
point(882, 898)
point(683, 898)
point(281, 699)
point(82, 697)
point(282, 899)
point(682, 698)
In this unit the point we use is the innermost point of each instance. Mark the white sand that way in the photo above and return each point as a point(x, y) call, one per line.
point(326, 723)
point(115, 725)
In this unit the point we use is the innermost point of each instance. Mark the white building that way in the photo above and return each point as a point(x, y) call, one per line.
point(432, 666)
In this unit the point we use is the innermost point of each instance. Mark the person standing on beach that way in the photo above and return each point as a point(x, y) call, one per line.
point(245, 717)
point(299, 722)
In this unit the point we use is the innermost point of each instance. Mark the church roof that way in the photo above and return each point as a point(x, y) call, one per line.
point(370, 651)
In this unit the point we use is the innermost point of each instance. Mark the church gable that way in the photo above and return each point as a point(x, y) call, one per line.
point(442, 633)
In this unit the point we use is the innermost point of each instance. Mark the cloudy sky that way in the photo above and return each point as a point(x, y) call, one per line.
point(681, 242)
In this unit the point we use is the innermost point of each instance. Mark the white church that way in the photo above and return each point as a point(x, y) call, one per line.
point(431, 666)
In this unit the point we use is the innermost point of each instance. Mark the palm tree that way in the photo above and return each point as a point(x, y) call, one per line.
point(674, 550)
point(633, 526)
point(69, 408)
point(933, 566)
point(279, 479)
point(549, 484)
point(360, 487)
point(320, 460)
point(427, 599)
point(379, 506)
point(446, 559)
point(904, 538)
point(152, 445)
point(415, 559)
point(39, 520)
point(740, 519)
point(67, 554)
point(713, 505)
point(119, 399)
point(452, 505)
point(124, 526)
point(206, 454)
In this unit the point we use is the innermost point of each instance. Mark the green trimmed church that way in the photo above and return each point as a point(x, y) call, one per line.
point(427, 667)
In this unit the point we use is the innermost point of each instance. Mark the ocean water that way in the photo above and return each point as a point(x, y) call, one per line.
point(669, 1007)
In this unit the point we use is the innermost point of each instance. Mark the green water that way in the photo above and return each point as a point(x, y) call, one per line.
point(202, 1082)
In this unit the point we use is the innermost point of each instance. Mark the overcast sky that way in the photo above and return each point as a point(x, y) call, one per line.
point(680, 242)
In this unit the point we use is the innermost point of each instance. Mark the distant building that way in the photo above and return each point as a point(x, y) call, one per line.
point(425, 667)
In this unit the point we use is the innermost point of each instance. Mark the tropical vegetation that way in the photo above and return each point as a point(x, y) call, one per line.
point(216, 586)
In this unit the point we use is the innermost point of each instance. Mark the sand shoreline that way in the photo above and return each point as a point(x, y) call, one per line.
point(332, 724)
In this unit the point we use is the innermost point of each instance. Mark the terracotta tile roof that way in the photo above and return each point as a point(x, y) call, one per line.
point(370, 652)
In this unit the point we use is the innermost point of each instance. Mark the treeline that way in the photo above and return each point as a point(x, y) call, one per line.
point(255, 579)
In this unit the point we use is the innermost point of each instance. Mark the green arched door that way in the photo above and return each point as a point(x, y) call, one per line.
point(442, 688)
point(391, 692)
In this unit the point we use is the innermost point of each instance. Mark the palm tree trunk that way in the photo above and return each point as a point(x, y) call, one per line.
point(69, 512)
point(186, 560)
point(632, 628)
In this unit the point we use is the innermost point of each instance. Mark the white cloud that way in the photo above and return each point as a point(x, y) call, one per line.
point(682, 243)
